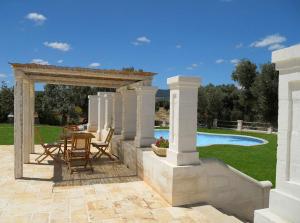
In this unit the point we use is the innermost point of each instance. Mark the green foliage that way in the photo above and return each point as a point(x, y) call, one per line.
point(245, 74)
point(162, 143)
point(6, 101)
point(164, 104)
point(265, 89)
point(60, 104)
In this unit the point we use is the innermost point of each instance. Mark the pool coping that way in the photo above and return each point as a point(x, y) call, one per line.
point(246, 136)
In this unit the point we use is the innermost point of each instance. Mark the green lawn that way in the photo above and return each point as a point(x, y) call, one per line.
point(48, 132)
point(258, 162)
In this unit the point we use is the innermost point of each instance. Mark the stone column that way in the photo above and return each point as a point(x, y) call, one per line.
point(183, 120)
point(117, 113)
point(93, 113)
point(128, 114)
point(108, 114)
point(145, 116)
point(215, 123)
point(239, 125)
point(27, 121)
point(101, 114)
point(32, 112)
point(18, 123)
point(284, 204)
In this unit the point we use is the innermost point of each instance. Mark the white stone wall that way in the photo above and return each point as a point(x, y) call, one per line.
point(117, 113)
point(212, 182)
point(101, 115)
point(285, 198)
point(93, 113)
point(129, 110)
point(145, 116)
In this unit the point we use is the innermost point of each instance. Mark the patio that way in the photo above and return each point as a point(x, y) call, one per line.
point(36, 198)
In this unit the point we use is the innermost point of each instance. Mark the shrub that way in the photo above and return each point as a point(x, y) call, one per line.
point(162, 143)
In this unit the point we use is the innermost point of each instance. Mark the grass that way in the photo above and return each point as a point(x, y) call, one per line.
point(48, 132)
point(258, 162)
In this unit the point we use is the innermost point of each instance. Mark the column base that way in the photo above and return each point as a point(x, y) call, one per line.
point(143, 141)
point(117, 131)
point(128, 135)
point(283, 208)
point(183, 159)
point(91, 127)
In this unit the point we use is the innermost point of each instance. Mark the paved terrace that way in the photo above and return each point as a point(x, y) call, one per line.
point(36, 198)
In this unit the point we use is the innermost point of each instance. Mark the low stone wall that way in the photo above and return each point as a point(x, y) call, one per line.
point(211, 182)
point(125, 150)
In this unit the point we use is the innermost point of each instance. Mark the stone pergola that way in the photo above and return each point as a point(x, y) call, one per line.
point(134, 86)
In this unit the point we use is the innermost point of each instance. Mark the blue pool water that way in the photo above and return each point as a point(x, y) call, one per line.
point(205, 139)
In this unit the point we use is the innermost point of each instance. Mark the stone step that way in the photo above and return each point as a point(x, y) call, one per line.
point(214, 215)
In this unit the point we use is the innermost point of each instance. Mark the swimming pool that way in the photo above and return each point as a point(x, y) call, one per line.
point(206, 139)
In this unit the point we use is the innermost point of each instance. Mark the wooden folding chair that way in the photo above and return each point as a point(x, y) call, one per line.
point(102, 147)
point(49, 148)
point(79, 153)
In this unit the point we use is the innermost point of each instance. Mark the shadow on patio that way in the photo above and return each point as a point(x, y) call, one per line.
point(105, 171)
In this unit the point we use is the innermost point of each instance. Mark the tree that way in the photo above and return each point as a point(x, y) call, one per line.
point(265, 88)
point(6, 101)
point(245, 74)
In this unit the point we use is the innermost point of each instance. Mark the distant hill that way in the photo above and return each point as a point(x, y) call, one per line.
point(163, 95)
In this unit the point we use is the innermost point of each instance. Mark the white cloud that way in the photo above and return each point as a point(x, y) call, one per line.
point(40, 61)
point(239, 45)
point(192, 67)
point(234, 61)
point(58, 46)
point(3, 75)
point(272, 42)
point(141, 40)
point(60, 61)
point(276, 46)
point(218, 61)
point(95, 65)
point(178, 46)
point(39, 19)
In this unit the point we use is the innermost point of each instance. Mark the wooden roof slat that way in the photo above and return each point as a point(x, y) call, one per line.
point(81, 76)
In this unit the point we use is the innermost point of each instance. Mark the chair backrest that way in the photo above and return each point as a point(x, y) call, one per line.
point(81, 141)
point(39, 136)
point(109, 135)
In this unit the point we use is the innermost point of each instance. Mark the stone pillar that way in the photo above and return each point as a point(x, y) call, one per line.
point(239, 125)
point(284, 204)
point(18, 124)
point(101, 114)
point(117, 113)
point(215, 123)
point(32, 114)
point(270, 130)
point(93, 113)
point(27, 121)
point(108, 114)
point(183, 120)
point(128, 114)
point(145, 116)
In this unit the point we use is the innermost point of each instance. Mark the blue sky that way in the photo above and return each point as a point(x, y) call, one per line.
point(200, 38)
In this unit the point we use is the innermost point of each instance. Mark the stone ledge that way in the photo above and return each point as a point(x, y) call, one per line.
point(211, 182)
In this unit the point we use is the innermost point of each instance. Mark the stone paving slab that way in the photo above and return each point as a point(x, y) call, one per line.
point(36, 199)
